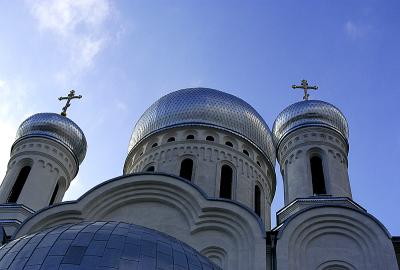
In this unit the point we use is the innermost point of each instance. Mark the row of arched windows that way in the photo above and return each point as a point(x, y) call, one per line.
point(188, 137)
point(208, 138)
point(191, 137)
point(226, 181)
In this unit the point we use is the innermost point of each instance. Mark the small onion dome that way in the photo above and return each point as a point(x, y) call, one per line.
point(101, 245)
point(55, 127)
point(205, 107)
point(309, 113)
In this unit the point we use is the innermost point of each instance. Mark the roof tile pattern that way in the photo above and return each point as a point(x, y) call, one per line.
point(206, 107)
point(101, 245)
point(309, 113)
point(55, 127)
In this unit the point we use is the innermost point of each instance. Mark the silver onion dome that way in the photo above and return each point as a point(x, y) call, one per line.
point(55, 127)
point(309, 113)
point(205, 107)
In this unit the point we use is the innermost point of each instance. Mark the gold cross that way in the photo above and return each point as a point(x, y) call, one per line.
point(70, 96)
point(304, 85)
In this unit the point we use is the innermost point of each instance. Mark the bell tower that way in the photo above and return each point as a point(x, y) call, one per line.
point(311, 137)
point(44, 159)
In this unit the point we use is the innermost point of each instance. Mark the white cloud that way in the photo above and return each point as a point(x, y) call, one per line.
point(353, 30)
point(120, 105)
point(78, 25)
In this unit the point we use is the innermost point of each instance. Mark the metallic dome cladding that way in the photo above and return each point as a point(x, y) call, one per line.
point(101, 245)
point(205, 107)
point(56, 127)
point(309, 113)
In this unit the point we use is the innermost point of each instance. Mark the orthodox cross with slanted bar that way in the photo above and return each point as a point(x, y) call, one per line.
point(70, 96)
point(304, 85)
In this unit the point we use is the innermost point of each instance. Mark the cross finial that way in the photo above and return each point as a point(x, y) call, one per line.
point(70, 96)
point(304, 85)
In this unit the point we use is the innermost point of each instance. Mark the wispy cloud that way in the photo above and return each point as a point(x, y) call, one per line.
point(354, 30)
point(79, 27)
point(121, 106)
point(12, 113)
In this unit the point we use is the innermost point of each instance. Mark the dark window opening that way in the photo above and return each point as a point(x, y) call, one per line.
point(317, 174)
point(246, 152)
point(150, 169)
point(258, 163)
point(53, 197)
point(210, 138)
point(228, 143)
point(225, 189)
point(257, 201)
point(154, 145)
point(190, 137)
point(19, 184)
point(186, 169)
point(172, 139)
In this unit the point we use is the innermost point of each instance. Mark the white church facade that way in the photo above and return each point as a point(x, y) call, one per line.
point(196, 193)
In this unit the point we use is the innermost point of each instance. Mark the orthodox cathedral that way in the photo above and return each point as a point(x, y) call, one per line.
point(195, 194)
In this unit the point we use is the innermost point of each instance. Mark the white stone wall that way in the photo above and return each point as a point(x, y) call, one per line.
point(294, 155)
point(226, 232)
point(327, 238)
point(209, 157)
point(50, 162)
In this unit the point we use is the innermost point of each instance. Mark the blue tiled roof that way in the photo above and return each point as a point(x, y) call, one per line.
point(101, 245)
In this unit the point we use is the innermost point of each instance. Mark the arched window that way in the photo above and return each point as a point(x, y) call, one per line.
point(228, 143)
point(257, 200)
point(225, 189)
point(190, 137)
point(210, 138)
point(246, 152)
point(19, 184)
point(186, 169)
point(53, 197)
point(154, 145)
point(171, 139)
point(317, 175)
point(150, 169)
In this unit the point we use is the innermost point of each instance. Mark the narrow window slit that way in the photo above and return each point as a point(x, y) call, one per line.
point(19, 184)
point(225, 190)
point(53, 197)
point(257, 201)
point(186, 169)
point(317, 175)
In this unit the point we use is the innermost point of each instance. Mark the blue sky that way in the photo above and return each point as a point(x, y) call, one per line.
point(123, 55)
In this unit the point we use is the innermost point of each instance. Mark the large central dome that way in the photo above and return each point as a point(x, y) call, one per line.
point(205, 107)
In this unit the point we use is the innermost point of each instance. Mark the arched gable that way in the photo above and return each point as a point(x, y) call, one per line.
point(326, 237)
point(171, 205)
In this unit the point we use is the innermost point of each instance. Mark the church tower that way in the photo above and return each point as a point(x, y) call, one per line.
point(320, 226)
point(44, 159)
point(312, 147)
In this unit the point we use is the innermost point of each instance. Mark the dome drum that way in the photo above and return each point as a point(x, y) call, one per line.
point(205, 107)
